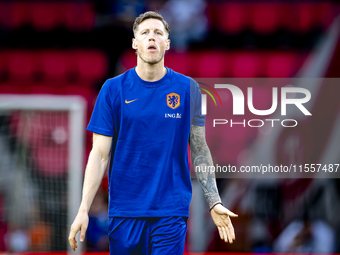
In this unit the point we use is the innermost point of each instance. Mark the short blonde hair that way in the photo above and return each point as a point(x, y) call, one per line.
point(149, 15)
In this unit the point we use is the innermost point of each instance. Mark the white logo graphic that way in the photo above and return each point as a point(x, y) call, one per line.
point(173, 115)
point(238, 100)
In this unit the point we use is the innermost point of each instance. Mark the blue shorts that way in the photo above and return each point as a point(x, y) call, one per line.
point(147, 236)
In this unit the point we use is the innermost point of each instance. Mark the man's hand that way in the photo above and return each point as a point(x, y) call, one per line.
point(220, 216)
point(80, 223)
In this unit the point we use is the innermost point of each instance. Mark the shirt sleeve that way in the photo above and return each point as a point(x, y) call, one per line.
point(198, 119)
point(101, 121)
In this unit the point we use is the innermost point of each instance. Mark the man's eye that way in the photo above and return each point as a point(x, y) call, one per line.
point(144, 33)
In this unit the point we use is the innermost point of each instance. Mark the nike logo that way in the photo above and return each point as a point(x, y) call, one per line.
point(127, 102)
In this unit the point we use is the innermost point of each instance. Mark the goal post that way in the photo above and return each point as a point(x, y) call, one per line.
point(47, 110)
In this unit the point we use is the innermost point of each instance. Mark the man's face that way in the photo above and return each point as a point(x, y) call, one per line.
point(151, 41)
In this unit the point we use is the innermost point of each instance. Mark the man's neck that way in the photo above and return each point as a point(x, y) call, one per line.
point(149, 72)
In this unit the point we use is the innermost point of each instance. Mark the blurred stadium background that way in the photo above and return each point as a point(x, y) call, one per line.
point(65, 50)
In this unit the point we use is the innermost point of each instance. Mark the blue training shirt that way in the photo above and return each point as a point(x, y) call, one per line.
point(150, 125)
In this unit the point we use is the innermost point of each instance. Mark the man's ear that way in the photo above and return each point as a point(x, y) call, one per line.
point(134, 44)
point(167, 44)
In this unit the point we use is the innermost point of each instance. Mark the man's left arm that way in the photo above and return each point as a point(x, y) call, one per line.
point(202, 161)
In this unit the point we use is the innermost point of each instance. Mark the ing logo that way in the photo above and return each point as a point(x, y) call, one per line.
point(173, 100)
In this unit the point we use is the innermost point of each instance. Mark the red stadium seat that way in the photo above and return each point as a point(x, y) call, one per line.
point(245, 65)
point(192, 63)
point(79, 16)
point(176, 61)
point(265, 17)
point(284, 10)
point(5, 14)
point(128, 60)
point(12, 88)
point(302, 17)
point(20, 14)
point(21, 67)
point(45, 16)
point(42, 88)
point(54, 66)
point(91, 65)
point(325, 14)
point(280, 65)
point(231, 17)
point(228, 61)
point(210, 65)
point(4, 59)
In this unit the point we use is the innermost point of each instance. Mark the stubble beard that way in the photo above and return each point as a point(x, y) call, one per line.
point(150, 62)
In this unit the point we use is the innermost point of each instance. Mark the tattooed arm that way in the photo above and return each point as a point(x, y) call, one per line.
point(202, 161)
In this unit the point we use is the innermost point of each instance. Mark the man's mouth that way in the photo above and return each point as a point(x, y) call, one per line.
point(152, 48)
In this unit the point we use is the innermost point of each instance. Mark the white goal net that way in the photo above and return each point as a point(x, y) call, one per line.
point(41, 169)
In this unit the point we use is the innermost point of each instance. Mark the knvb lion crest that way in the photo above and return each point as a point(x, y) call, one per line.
point(173, 100)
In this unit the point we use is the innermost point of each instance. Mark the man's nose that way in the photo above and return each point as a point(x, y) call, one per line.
point(151, 37)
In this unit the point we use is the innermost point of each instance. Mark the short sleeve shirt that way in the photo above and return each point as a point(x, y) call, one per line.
point(149, 123)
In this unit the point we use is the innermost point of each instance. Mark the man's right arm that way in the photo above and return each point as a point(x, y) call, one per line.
point(95, 169)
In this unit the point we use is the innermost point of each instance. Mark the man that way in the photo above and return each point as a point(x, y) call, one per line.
point(144, 117)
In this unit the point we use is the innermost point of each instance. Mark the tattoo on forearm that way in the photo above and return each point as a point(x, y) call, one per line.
point(201, 157)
